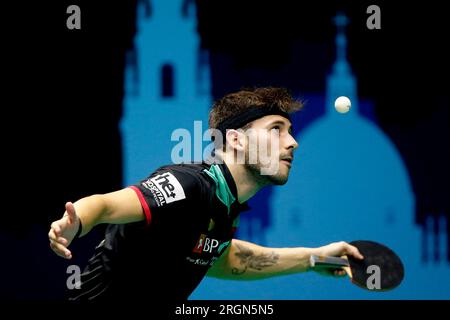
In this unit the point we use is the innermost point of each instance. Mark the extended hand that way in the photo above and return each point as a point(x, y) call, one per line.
point(63, 231)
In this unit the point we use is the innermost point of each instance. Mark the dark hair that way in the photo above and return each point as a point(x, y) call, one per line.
point(237, 102)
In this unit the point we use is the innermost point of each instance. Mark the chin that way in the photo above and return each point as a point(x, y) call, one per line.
point(279, 179)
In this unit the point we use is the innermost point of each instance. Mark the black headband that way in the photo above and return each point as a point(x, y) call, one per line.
point(241, 119)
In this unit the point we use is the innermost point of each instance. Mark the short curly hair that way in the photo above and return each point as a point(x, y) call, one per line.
point(235, 103)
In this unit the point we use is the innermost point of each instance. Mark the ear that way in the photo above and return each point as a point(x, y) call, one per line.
point(236, 139)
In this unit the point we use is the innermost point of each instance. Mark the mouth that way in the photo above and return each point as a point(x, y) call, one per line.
point(288, 161)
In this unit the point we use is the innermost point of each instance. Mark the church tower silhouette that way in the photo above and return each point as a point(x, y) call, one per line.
point(167, 88)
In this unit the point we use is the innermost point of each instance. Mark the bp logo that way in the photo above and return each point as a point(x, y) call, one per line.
point(205, 244)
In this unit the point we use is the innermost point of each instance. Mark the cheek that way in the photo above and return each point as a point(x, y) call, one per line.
point(271, 147)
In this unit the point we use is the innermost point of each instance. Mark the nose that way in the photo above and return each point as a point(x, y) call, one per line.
point(292, 143)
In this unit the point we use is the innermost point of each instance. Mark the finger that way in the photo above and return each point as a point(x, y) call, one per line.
point(53, 237)
point(56, 251)
point(56, 228)
point(353, 251)
point(58, 247)
point(51, 234)
point(60, 250)
point(63, 241)
point(70, 209)
point(340, 273)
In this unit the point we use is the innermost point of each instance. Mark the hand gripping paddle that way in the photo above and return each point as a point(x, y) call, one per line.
point(380, 270)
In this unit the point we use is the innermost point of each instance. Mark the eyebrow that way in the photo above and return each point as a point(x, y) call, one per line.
point(282, 123)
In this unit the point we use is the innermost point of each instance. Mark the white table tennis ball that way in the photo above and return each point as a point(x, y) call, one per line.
point(342, 104)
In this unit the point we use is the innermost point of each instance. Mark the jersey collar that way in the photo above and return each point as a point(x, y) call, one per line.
point(236, 206)
point(233, 188)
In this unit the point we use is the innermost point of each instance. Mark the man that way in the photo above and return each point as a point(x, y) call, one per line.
point(170, 230)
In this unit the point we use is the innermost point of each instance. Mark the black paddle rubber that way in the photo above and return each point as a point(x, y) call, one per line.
point(379, 261)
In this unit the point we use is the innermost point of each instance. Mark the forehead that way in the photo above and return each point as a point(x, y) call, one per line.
point(270, 119)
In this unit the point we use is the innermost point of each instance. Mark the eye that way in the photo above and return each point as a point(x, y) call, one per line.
point(276, 127)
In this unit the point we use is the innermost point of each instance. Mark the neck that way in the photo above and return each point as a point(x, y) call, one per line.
point(246, 183)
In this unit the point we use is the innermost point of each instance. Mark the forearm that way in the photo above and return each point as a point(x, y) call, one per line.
point(118, 207)
point(91, 211)
point(247, 261)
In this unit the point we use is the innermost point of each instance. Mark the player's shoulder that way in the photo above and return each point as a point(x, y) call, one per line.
point(190, 171)
point(190, 176)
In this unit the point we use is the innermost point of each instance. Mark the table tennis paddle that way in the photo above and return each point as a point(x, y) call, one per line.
point(379, 261)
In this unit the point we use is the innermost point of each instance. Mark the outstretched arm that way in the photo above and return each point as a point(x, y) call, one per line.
point(117, 207)
point(247, 261)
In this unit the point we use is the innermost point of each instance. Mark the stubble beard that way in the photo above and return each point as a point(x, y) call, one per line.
point(277, 179)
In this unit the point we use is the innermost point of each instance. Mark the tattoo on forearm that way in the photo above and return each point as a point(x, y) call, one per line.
point(248, 259)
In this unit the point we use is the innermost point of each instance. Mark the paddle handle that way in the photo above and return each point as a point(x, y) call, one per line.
point(328, 262)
